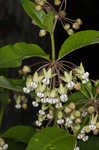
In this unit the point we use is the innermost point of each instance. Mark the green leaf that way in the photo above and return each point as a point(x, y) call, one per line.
point(91, 144)
point(42, 19)
point(12, 55)
point(79, 40)
point(4, 97)
point(11, 84)
point(12, 145)
point(51, 139)
point(76, 97)
point(19, 134)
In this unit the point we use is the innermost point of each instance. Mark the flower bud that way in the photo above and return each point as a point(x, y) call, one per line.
point(62, 14)
point(42, 33)
point(77, 113)
point(79, 21)
point(24, 106)
point(60, 114)
point(76, 128)
point(2, 142)
point(78, 120)
point(38, 7)
point(70, 31)
point(57, 2)
point(26, 69)
point(97, 125)
point(95, 132)
point(71, 106)
point(91, 109)
point(77, 86)
point(67, 110)
point(87, 129)
point(67, 26)
point(75, 26)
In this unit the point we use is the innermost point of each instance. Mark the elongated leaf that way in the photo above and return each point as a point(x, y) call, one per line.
point(37, 16)
point(11, 84)
point(42, 19)
point(79, 40)
point(91, 144)
point(12, 55)
point(51, 138)
point(12, 145)
point(19, 134)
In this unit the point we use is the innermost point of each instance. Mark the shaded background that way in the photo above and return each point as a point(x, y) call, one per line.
point(16, 26)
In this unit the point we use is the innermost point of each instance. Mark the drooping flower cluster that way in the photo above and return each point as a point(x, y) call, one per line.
point(3, 145)
point(52, 97)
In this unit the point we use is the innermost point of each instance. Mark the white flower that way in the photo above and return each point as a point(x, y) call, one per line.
point(76, 148)
point(5, 147)
point(85, 75)
point(63, 97)
point(68, 122)
point(1, 148)
point(18, 106)
point(49, 100)
point(60, 121)
point(44, 100)
point(26, 90)
point(49, 116)
point(33, 85)
point(38, 123)
point(85, 81)
point(41, 112)
point(80, 136)
point(92, 127)
point(70, 84)
point(59, 105)
point(40, 94)
point(46, 81)
point(85, 138)
point(54, 100)
point(35, 104)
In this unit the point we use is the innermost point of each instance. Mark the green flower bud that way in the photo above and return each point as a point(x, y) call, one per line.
point(87, 129)
point(26, 69)
point(70, 31)
point(24, 106)
point(79, 21)
point(60, 115)
point(57, 2)
point(42, 33)
point(91, 109)
point(28, 81)
point(76, 26)
point(67, 26)
point(72, 106)
point(78, 121)
point(77, 113)
point(97, 125)
point(96, 132)
point(67, 110)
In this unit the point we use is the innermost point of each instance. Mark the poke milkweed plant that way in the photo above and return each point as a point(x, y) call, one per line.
point(66, 98)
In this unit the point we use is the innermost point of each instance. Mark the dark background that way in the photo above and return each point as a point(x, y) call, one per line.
point(16, 26)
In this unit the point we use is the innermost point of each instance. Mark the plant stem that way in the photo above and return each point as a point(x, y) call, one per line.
point(53, 46)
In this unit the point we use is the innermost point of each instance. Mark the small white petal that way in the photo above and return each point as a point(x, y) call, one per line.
point(5, 147)
point(18, 106)
point(63, 97)
point(49, 116)
point(85, 138)
point(92, 127)
point(60, 121)
point(35, 104)
point(38, 123)
point(33, 85)
point(26, 90)
point(70, 84)
point(41, 112)
point(59, 105)
point(46, 81)
point(76, 148)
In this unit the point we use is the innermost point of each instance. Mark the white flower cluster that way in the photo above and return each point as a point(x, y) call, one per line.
point(3, 145)
point(41, 84)
point(21, 101)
